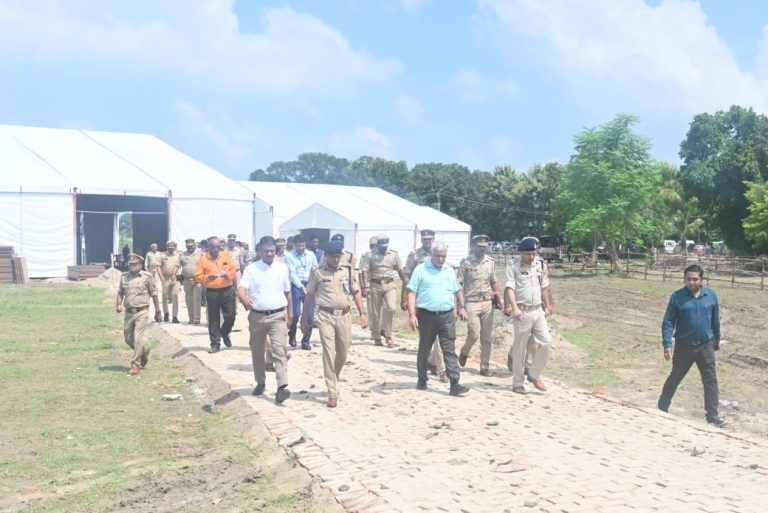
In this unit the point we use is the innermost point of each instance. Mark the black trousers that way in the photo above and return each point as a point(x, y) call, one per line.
point(685, 355)
point(443, 326)
point(221, 303)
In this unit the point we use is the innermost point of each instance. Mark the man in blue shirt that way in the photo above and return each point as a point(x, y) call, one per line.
point(693, 315)
point(434, 301)
point(301, 263)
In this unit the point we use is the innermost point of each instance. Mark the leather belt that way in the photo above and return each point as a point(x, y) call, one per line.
point(137, 309)
point(270, 312)
point(382, 281)
point(692, 342)
point(443, 312)
point(529, 308)
point(481, 300)
point(333, 311)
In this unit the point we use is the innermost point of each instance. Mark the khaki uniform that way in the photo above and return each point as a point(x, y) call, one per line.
point(476, 278)
point(151, 264)
point(528, 281)
point(383, 273)
point(193, 291)
point(333, 290)
point(236, 254)
point(365, 262)
point(169, 266)
point(436, 355)
point(137, 291)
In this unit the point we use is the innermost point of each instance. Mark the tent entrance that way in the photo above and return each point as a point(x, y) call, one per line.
point(323, 234)
point(102, 225)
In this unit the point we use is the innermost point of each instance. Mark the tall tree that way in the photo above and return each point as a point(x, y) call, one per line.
point(307, 168)
point(721, 152)
point(756, 223)
point(608, 186)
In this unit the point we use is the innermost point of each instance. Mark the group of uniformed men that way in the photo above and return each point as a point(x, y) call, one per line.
point(285, 288)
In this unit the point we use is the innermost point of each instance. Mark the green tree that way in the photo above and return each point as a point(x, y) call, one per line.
point(720, 153)
point(390, 175)
point(756, 223)
point(307, 168)
point(608, 186)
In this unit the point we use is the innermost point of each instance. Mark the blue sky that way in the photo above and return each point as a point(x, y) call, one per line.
point(239, 84)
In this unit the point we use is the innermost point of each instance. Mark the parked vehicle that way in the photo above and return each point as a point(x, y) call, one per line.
point(552, 248)
point(669, 246)
point(699, 249)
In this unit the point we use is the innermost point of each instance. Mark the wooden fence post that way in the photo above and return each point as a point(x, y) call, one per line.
point(762, 276)
point(664, 268)
point(647, 259)
point(733, 272)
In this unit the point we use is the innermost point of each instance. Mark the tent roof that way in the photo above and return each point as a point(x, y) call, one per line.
point(23, 170)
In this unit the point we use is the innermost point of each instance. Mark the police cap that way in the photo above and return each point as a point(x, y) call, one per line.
point(133, 258)
point(334, 247)
point(528, 244)
point(190, 241)
point(171, 242)
point(374, 240)
point(480, 240)
point(427, 234)
point(232, 236)
point(338, 236)
point(280, 241)
point(382, 239)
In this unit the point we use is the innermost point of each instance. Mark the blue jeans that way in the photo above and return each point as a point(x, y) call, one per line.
point(298, 305)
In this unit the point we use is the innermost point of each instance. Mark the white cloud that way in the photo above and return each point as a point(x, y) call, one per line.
point(668, 55)
point(474, 87)
point(197, 125)
point(362, 140)
point(409, 110)
point(199, 39)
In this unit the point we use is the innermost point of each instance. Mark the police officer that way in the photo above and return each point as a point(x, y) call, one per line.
point(365, 262)
point(383, 269)
point(134, 293)
point(193, 291)
point(527, 290)
point(435, 364)
point(280, 249)
point(477, 278)
point(331, 287)
point(152, 264)
point(236, 254)
point(168, 269)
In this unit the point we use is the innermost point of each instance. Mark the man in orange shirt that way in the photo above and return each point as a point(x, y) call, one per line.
point(217, 271)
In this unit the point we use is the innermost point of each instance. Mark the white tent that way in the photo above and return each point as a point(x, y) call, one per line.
point(51, 178)
point(359, 213)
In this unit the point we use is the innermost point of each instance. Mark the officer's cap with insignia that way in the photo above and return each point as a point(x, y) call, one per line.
point(334, 247)
point(480, 240)
point(427, 234)
point(133, 258)
point(170, 242)
point(338, 236)
point(280, 241)
point(382, 239)
point(232, 236)
point(528, 244)
point(374, 240)
point(190, 241)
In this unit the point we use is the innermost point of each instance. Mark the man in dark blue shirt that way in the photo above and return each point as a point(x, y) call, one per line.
point(693, 316)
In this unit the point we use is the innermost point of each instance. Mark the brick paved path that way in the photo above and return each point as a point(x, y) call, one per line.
point(390, 447)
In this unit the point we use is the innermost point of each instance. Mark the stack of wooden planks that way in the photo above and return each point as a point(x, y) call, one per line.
point(84, 272)
point(13, 269)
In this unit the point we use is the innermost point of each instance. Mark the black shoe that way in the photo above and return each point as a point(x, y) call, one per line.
point(718, 422)
point(282, 394)
point(662, 408)
point(292, 342)
point(421, 384)
point(306, 346)
point(165, 317)
point(258, 389)
point(227, 341)
point(214, 349)
point(458, 389)
point(175, 320)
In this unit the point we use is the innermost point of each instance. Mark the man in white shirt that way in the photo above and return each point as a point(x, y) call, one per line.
point(265, 291)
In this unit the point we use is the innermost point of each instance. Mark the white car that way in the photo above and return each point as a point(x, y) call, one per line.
point(669, 246)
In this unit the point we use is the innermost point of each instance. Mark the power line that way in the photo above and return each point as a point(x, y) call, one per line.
point(496, 205)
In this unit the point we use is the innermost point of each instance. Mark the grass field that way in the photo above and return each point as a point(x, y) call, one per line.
point(78, 434)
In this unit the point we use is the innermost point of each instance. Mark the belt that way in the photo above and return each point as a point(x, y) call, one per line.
point(137, 309)
point(692, 342)
point(382, 281)
point(529, 308)
point(443, 312)
point(334, 311)
point(270, 312)
point(481, 300)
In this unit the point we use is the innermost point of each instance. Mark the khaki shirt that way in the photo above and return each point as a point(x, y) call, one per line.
point(152, 261)
point(137, 289)
point(236, 254)
point(476, 278)
point(189, 264)
point(384, 266)
point(527, 280)
point(170, 264)
point(332, 288)
point(415, 258)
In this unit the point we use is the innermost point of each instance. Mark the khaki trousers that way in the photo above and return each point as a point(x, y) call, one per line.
point(532, 326)
point(171, 288)
point(133, 331)
point(193, 296)
point(336, 337)
point(384, 300)
point(373, 316)
point(480, 327)
point(275, 328)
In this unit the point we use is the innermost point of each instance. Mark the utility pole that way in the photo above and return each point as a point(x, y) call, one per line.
point(438, 200)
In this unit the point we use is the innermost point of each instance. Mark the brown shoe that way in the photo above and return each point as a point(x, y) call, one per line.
point(525, 371)
point(332, 402)
point(134, 370)
point(144, 357)
point(539, 384)
point(444, 377)
point(462, 359)
point(519, 390)
point(509, 362)
point(486, 373)
point(391, 343)
point(269, 367)
point(432, 369)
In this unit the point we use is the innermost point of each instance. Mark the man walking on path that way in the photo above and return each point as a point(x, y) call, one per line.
point(693, 315)
point(300, 263)
point(384, 267)
point(526, 289)
point(137, 288)
point(217, 271)
point(434, 301)
point(193, 291)
point(365, 262)
point(265, 291)
point(330, 288)
point(477, 278)
point(168, 269)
